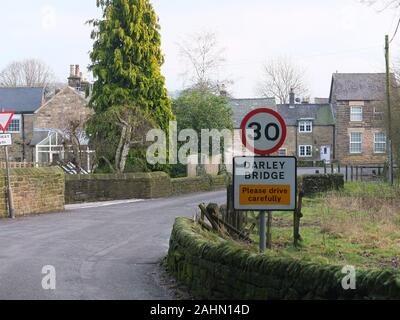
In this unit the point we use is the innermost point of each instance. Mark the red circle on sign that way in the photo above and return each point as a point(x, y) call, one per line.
point(281, 140)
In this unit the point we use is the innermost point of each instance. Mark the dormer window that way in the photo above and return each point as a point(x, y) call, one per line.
point(305, 126)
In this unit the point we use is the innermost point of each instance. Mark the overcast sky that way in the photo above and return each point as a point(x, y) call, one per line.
point(321, 36)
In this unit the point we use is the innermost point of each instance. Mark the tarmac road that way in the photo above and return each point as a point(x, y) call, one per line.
point(99, 251)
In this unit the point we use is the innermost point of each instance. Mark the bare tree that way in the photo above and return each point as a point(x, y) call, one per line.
point(27, 73)
point(204, 58)
point(280, 77)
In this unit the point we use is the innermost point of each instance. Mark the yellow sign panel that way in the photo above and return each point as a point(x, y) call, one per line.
point(265, 195)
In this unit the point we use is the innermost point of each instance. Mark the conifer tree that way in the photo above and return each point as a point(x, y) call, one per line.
point(126, 64)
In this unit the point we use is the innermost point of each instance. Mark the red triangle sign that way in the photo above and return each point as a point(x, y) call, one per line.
point(5, 119)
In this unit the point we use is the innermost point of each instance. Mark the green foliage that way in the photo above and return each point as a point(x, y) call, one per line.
point(200, 109)
point(126, 62)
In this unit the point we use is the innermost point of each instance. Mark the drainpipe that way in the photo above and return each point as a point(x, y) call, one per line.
point(23, 136)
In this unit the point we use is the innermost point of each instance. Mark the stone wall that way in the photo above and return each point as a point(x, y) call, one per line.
point(214, 269)
point(35, 190)
point(108, 187)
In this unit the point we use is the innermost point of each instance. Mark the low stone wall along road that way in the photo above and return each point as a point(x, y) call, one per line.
point(99, 251)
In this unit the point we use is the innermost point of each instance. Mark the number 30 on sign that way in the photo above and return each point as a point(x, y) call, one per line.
point(263, 131)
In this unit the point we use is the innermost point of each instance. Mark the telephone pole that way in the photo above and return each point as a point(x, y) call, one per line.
point(389, 111)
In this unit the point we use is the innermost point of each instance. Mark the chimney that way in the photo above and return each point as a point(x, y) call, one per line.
point(77, 70)
point(291, 97)
point(71, 70)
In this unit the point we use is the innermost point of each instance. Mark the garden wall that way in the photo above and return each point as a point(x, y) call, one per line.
point(35, 190)
point(108, 187)
point(222, 270)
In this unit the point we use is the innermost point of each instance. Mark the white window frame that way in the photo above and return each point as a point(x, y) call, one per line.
point(305, 154)
point(16, 117)
point(285, 152)
point(356, 142)
point(356, 116)
point(384, 143)
point(303, 126)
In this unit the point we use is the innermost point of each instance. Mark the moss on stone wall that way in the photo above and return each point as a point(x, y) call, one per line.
point(215, 269)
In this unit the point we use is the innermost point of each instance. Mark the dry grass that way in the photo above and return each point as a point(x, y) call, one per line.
point(360, 219)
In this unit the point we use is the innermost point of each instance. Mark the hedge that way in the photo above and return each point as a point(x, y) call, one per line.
point(313, 184)
point(223, 270)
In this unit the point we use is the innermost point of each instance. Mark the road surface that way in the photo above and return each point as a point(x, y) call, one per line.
point(99, 251)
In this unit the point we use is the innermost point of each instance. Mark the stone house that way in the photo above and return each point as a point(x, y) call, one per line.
point(358, 103)
point(24, 102)
point(310, 131)
point(42, 129)
point(310, 127)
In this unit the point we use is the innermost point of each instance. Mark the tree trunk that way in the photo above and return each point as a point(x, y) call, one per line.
point(121, 144)
point(125, 150)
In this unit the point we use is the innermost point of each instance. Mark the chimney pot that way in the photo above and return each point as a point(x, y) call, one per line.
point(77, 71)
point(71, 70)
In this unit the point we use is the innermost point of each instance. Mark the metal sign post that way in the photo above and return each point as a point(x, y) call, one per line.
point(5, 140)
point(264, 183)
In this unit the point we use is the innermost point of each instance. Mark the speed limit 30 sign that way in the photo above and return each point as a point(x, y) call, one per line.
point(263, 131)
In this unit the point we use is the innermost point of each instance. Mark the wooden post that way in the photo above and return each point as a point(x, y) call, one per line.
point(352, 173)
point(262, 232)
point(269, 230)
point(361, 174)
point(297, 217)
point(347, 173)
point(356, 173)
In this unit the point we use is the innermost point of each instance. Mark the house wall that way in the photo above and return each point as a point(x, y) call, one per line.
point(370, 125)
point(20, 150)
point(320, 136)
point(64, 107)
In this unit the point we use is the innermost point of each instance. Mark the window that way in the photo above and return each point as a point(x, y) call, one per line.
point(379, 142)
point(356, 114)
point(305, 151)
point(305, 126)
point(378, 114)
point(356, 142)
point(282, 152)
point(15, 125)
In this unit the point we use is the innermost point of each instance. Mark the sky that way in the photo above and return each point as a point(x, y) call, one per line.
point(322, 37)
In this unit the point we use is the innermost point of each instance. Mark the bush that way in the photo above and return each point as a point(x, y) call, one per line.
point(314, 184)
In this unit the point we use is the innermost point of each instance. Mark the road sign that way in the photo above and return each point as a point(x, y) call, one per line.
point(265, 183)
point(5, 140)
point(5, 120)
point(263, 131)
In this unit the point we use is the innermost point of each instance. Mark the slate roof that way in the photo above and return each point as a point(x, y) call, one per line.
point(358, 86)
point(21, 100)
point(321, 114)
point(241, 107)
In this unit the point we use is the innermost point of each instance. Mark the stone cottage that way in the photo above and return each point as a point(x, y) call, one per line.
point(310, 130)
point(43, 129)
point(358, 104)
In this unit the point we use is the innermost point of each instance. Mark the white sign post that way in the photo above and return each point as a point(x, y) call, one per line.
point(5, 140)
point(264, 183)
